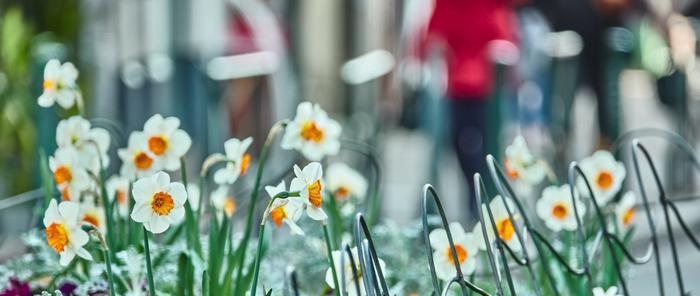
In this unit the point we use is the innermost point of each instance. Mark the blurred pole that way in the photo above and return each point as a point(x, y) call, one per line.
point(620, 43)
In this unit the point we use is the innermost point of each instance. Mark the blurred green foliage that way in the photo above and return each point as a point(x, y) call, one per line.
point(25, 25)
point(17, 132)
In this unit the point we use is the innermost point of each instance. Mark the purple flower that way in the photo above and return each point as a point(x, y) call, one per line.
point(17, 288)
point(67, 288)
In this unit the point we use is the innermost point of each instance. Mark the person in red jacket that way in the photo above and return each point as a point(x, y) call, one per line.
point(463, 30)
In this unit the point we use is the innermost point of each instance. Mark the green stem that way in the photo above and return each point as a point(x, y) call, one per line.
point(110, 279)
point(331, 262)
point(105, 202)
point(258, 259)
point(253, 200)
point(149, 269)
point(190, 218)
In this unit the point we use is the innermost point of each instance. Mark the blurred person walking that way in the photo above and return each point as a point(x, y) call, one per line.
point(462, 30)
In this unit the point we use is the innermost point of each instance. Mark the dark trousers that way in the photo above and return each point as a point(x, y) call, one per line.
point(468, 132)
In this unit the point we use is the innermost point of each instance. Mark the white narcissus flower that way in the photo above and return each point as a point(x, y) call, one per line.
point(556, 209)
point(93, 215)
point(287, 210)
point(238, 161)
point(166, 141)
point(223, 203)
point(137, 160)
point(347, 269)
point(624, 210)
point(59, 85)
point(521, 165)
point(158, 203)
point(70, 177)
point(312, 133)
point(605, 175)
point(118, 187)
point(344, 182)
point(598, 291)
point(465, 245)
point(505, 227)
point(63, 232)
point(308, 183)
point(91, 143)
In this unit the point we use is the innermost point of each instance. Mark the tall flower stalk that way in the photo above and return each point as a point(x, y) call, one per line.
point(240, 256)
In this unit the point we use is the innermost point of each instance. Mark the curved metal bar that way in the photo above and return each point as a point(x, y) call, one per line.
point(635, 147)
point(506, 190)
point(495, 271)
point(574, 171)
point(429, 192)
point(660, 133)
point(562, 261)
point(479, 183)
point(369, 264)
point(635, 260)
point(685, 227)
point(353, 267)
point(290, 282)
point(113, 128)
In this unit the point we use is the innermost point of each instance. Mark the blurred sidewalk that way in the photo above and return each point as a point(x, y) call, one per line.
point(406, 156)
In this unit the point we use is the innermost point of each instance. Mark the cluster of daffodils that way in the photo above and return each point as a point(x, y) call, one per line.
point(160, 146)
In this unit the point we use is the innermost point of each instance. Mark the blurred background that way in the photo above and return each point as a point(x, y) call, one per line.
point(433, 85)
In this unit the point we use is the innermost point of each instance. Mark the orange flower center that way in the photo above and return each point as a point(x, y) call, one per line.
point(157, 145)
point(143, 161)
point(278, 215)
point(604, 180)
point(162, 203)
point(627, 217)
point(229, 207)
point(121, 197)
point(341, 193)
point(560, 211)
point(57, 237)
point(245, 164)
point(315, 197)
point(65, 195)
point(462, 254)
point(510, 170)
point(311, 132)
point(505, 229)
point(49, 84)
point(62, 175)
point(92, 219)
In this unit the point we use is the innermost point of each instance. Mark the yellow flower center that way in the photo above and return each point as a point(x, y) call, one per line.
point(158, 145)
point(49, 84)
point(505, 229)
point(245, 164)
point(604, 180)
point(341, 193)
point(92, 219)
point(229, 207)
point(57, 237)
point(560, 211)
point(627, 217)
point(510, 170)
point(62, 175)
point(315, 197)
point(311, 132)
point(162, 203)
point(142, 161)
point(462, 254)
point(278, 215)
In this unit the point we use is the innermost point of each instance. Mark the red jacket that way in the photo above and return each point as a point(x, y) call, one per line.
point(466, 27)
